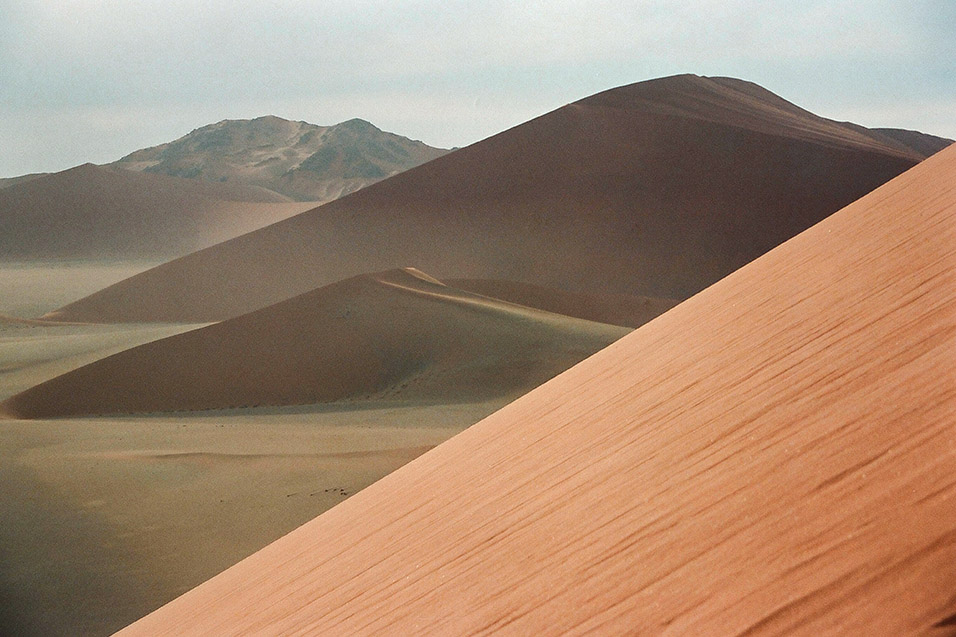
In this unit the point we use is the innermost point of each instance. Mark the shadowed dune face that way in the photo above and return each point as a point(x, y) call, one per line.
point(32, 352)
point(96, 213)
point(774, 456)
point(396, 335)
point(657, 189)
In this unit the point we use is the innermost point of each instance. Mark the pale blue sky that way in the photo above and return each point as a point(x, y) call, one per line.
point(91, 80)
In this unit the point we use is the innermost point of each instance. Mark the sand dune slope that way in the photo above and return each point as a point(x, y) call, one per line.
point(775, 456)
point(656, 189)
point(96, 213)
point(6, 182)
point(399, 334)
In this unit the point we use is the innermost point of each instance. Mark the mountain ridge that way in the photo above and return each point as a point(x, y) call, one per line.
point(304, 161)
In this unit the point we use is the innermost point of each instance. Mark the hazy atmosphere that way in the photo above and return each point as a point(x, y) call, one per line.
point(452, 318)
point(92, 80)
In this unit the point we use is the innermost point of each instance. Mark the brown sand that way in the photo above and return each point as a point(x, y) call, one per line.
point(97, 213)
point(6, 182)
point(774, 456)
point(920, 142)
point(397, 335)
point(13, 320)
point(656, 189)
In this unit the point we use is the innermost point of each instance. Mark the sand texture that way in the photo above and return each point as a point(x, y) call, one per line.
point(657, 189)
point(398, 335)
point(95, 213)
point(775, 456)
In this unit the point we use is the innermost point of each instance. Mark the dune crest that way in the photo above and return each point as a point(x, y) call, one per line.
point(732, 102)
point(773, 456)
point(657, 189)
point(396, 335)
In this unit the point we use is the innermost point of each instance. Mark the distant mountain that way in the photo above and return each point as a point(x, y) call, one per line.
point(297, 159)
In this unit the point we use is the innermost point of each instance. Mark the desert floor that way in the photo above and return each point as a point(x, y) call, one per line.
point(105, 519)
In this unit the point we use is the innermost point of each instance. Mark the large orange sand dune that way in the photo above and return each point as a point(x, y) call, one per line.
point(776, 455)
point(656, 189)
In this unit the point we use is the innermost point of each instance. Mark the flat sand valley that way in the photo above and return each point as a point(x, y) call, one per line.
point(106, 519)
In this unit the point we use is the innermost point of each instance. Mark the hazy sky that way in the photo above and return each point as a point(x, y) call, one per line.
point(91, 80)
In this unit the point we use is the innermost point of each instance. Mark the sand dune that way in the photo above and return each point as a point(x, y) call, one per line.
point(13, 320)
point(656, 189)
point(396, 335)
point(96, 213)
point(774, 456)
point(6, 182)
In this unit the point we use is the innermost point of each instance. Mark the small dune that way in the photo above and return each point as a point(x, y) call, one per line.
point(14, 320)
point(397, 335)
